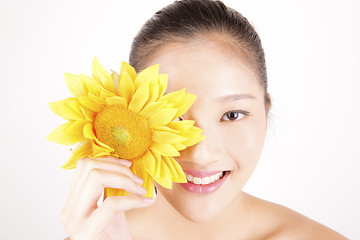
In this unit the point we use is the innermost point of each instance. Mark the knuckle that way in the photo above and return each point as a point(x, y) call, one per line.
point(68, 222)
point(94, 175)
point(81, 163)
point(128, 181)
point(63, 217)
point(110, 203)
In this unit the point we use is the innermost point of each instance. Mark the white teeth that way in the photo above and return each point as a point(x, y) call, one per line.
point(197, 180)
point(189, 177)
point(205, 180)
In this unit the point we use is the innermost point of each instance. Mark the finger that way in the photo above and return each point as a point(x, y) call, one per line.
point(96, 181)
point(108, 165)
point(80, 178)
point(114, 205)
point(84, 162)
point(124, 162)
point(81, 172)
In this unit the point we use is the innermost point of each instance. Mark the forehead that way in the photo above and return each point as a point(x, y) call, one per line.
point(205, 68)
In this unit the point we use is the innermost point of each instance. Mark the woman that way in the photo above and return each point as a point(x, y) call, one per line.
point(213, 52)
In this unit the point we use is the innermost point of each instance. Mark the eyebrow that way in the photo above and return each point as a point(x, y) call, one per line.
point(235, 97)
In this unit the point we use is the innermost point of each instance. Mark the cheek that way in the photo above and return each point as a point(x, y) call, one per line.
point(244, 141)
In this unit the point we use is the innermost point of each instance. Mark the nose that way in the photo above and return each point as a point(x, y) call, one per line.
point(209, 152)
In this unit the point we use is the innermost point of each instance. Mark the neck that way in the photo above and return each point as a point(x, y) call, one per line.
point(235, 217)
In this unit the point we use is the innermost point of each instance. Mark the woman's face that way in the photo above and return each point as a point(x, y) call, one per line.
point(226, 89)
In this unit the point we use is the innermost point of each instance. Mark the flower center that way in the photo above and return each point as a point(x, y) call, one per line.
point(123, 130)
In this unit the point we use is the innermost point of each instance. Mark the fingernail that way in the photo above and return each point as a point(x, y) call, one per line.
point(141, 189)
point(138, 179)
point(149, 200)
point(128, 163)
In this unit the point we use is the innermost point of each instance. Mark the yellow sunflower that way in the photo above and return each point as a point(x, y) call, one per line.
point(127, 116)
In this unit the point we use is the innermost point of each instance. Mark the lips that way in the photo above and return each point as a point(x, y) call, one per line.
point(204, 182)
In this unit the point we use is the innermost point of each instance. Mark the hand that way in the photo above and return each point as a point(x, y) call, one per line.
point(81, 216)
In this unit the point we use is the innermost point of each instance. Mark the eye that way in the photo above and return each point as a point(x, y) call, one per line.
point(233, 115)
point(179, 119)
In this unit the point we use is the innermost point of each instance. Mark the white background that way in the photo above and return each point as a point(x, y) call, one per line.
point(311, 160)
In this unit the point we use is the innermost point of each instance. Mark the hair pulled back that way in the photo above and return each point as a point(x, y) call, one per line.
point(187, 19)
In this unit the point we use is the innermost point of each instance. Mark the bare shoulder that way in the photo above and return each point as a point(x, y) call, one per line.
point(284, 223)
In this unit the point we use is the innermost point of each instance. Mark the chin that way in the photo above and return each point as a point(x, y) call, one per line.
point(196, 207)
point(202, 216)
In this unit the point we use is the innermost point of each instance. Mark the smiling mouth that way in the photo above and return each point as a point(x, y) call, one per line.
point(205, 180)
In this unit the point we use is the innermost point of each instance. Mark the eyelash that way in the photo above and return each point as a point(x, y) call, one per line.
point(179, 118)
point(244, 113)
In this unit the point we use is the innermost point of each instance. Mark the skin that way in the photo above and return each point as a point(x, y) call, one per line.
point(229, 145)
point(213, 72)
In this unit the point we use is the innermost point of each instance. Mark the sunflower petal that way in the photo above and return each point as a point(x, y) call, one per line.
point(152, 108)
point(149, 162)
point(88, 131)
point(116, 79)
point(162, 117)
point(97, 99)
point(82, 150)
point(174, 97)
point(126, 87)
point(172, 169)
point(179, 171)
point(103, 145)
point(90, 104)
point(116, 101)
point(153, 94)
point(166, 128)
point(158, 160)
point(75, 85)
point(163, 82)
point(182, 101)
point(170, 105)
point(139, 99)
point(179, 146)
point(164, 149)
point(99, 151)
point(105, 94)
point(76, 128)
point(181, 126)
point(194, 141)
point(195, 136)
point(149, 185)
point(92, 86)
point(75, 105)
point(89, 115)
point(138, 168)
point(165, 178)
point(125, 67)
point(185, 105)
point(167, 137)
point(62, 109)
point(59, 135)
point(116, 192)
point(99, 73)
point(149, 75)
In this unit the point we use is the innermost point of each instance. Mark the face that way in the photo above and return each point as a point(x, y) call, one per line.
point(230, 109)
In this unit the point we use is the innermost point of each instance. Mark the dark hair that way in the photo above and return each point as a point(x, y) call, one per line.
point(188, 19)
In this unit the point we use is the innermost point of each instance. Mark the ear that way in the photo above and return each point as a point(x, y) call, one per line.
point(267, 103)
